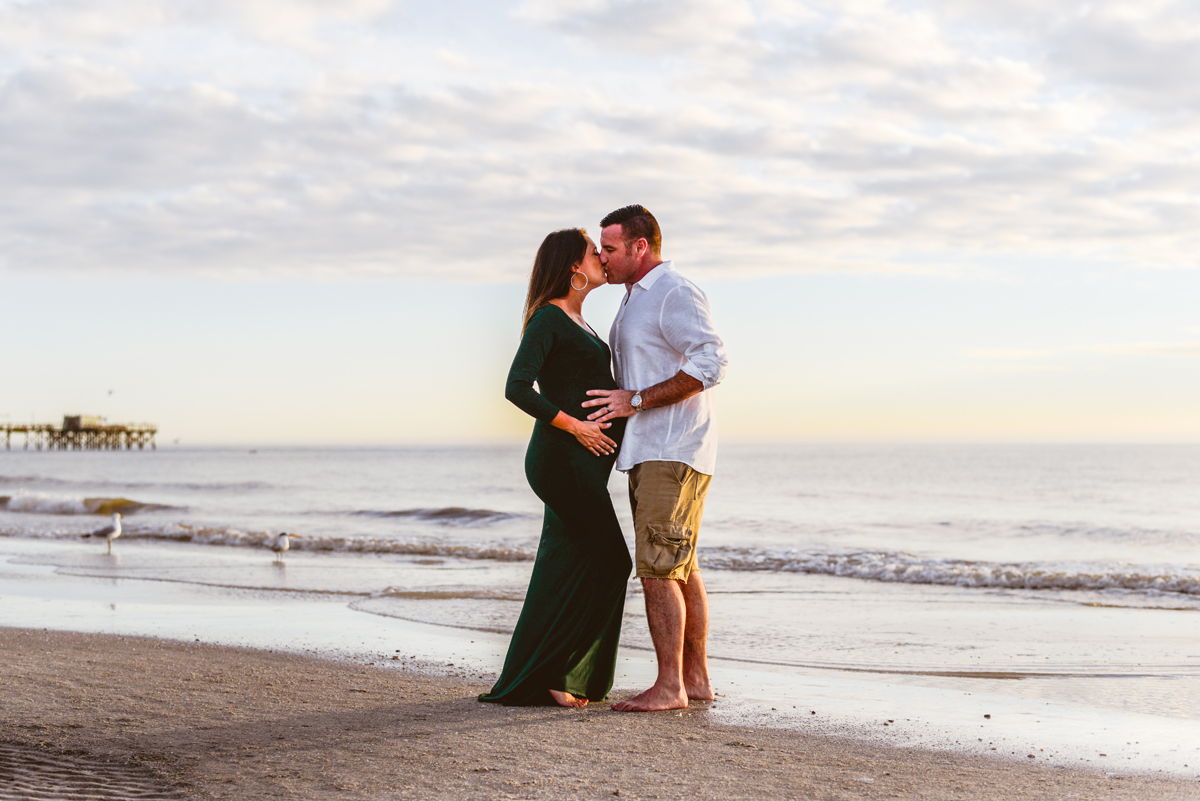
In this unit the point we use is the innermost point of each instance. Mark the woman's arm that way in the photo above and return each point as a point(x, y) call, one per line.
point(590, 435)
point(531, 355)
point(536, 342)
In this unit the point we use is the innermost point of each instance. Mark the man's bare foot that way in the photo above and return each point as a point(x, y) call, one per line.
point(567, 700)
point(655, 699)
point(700, 691)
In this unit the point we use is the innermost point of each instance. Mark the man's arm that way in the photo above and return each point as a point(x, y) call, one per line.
point(687, 326)
point(615, 402)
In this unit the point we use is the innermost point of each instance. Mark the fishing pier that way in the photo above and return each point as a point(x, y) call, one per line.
point(81, 433)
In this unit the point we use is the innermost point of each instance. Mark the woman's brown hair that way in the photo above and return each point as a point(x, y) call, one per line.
point(551, 276)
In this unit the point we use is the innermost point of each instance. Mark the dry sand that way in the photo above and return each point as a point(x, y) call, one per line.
point(128, 717)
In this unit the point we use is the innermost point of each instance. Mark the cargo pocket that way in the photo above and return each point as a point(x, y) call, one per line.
point(670, 548)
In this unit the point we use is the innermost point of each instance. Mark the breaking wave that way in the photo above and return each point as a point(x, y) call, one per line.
point(448, 514)
point(49, 504)
point(231, 537)
point(866, 565)
point(373, 545)
point(911, 569)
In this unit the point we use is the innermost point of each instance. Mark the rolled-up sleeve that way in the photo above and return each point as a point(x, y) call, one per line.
point(688, 327)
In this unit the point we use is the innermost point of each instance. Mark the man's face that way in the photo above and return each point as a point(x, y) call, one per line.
point(617, 259)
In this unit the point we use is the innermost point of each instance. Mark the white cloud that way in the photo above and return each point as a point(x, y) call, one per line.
point(61, 23)
point(649, 26)
point(454, 61)
point(285, 137)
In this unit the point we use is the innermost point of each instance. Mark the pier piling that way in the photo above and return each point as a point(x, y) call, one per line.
point(80, 433)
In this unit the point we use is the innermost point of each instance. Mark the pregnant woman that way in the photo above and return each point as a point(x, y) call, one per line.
point(564, 648)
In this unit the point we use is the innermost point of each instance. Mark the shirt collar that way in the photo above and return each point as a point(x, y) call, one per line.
point(649, 278)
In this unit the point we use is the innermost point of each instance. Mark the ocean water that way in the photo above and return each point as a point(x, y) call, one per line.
point(1064, 577)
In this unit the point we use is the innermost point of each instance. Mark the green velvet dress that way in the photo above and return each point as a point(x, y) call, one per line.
point(566, 637)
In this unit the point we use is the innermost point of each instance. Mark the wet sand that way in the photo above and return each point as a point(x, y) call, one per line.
point(196, 721)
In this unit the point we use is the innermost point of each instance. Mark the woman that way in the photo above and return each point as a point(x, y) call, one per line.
point(564, 648)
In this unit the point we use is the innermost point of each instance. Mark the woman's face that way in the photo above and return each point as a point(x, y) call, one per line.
point(591, 266)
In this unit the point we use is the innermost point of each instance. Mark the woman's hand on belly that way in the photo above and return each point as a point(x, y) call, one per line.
point(590, 435)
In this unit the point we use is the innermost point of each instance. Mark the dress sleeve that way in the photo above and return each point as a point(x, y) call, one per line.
point(535, 346)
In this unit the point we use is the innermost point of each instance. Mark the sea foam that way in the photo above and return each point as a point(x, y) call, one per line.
point(868, 565)
point(913, 569)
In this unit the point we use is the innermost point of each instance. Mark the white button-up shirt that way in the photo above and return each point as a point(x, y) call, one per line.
point(664, 326)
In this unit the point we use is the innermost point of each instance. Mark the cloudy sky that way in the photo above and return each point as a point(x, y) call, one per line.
point(272, 221)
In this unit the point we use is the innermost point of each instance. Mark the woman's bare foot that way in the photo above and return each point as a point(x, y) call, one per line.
point(567, 700)
point(655, 699)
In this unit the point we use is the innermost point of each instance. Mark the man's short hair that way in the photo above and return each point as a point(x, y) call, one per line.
point(636, 223)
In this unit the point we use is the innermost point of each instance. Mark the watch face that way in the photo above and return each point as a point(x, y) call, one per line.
point(636, 401)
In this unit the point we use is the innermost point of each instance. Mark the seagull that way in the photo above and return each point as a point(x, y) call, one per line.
point(281, 544)
point(109, 533)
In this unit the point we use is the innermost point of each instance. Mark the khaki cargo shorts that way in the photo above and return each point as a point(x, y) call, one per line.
point(667, 499)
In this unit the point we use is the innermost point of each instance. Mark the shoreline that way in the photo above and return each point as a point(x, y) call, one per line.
point(242, 599)
point(189, 720)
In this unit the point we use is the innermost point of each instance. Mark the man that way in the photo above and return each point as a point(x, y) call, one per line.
point(667, 355)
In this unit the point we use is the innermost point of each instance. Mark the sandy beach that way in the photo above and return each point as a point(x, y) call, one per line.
point(175, 720)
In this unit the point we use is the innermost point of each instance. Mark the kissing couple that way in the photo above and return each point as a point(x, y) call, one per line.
point(644, 406)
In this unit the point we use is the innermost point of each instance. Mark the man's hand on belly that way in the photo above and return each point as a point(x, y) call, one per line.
point(615, 402)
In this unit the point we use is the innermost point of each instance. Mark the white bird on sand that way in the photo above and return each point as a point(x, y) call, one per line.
point(109, 533)
point(281, 544)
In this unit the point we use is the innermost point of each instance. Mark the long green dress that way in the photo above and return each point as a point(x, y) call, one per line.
point(566, 637)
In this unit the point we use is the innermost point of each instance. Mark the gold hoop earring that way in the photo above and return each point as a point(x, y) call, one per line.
point(579, 288)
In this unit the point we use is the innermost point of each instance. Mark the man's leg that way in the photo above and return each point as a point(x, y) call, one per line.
point(667, 500)
point(666, 615)
point(695, 640)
